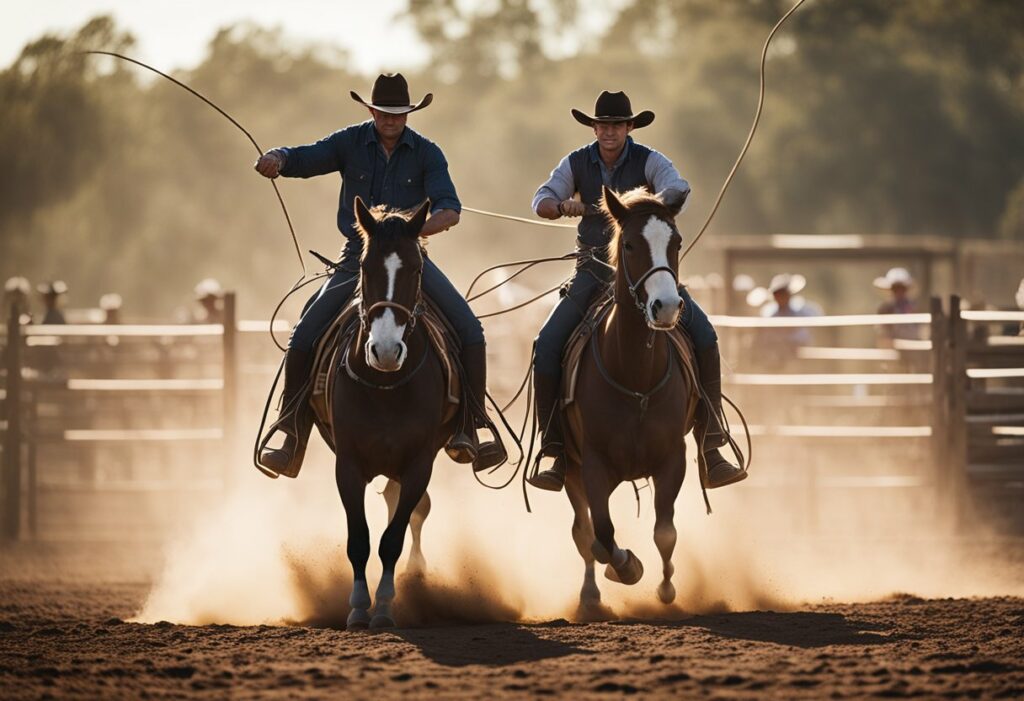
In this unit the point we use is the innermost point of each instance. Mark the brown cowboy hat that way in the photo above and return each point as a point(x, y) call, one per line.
point(391, 94)
point(614, 107)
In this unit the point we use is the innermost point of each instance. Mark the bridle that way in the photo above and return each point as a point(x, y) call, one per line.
point(634, 287)
point(411, 315)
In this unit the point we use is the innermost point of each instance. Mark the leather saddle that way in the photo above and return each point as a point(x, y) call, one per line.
point(334, 344)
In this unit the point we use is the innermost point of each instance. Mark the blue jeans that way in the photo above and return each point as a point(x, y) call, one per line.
point(324, 306)
point(569, 312)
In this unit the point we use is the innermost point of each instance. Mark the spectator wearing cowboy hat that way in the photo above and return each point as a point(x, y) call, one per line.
point(110, 305)
point(208, 293)
point(384, 162)
point(898, 282)
point(51, 292)
point(614, 160)
point(16, 293)
point(784, 289)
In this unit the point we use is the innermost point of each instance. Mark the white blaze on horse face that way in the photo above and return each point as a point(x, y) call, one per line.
point(391, 264)
point(661, 286)
point(385, 347)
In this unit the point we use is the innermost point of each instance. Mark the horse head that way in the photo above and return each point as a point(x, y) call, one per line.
point(390, 273)
point(644, 250)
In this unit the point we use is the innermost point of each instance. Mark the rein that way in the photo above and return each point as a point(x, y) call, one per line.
point(373, 385)
point(643, 397)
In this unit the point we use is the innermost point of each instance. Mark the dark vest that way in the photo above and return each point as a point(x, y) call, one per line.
point(586, 172)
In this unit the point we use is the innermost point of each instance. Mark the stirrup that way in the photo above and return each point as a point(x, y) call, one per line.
point(461, 448)
point(281, 461)
point(720, 472)
point(553, 478)
point(489, 454)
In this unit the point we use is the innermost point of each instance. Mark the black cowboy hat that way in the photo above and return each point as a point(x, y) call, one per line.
point(614, 107)
point(391, 94)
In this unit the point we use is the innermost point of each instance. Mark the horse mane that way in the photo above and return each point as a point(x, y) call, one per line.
point(389, 224)
point(639, 201)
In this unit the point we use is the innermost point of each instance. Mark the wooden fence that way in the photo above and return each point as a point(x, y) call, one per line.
point(129, 414)
point(941, 414)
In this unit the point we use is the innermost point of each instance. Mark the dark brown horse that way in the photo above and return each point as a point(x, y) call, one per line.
point(389, 409)
point(632, 401)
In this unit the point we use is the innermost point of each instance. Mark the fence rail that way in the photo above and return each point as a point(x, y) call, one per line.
point(956, 396)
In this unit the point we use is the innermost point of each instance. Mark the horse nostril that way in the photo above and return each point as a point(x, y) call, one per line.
point(656, 306)
point(401, 352)
point(680, 304)
point(373, 350)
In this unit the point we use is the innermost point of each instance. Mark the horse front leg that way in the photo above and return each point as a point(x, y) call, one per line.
point(414, 486)
point(622, 565)
point(666, 488)
point(352, 488)
point(583, 536)
point(417, 564)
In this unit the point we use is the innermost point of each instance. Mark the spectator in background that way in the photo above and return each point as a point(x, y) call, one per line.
point(16, 291)
point(898, 282)
point(52, 292)
point(110, 305)
point(209, 296)
point(780, 344)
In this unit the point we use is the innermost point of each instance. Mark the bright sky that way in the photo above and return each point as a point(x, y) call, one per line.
point(174, 34)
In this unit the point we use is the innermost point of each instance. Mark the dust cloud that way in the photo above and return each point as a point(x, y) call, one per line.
point(274, 553)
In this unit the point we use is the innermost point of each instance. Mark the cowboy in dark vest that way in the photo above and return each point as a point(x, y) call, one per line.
point(614, 160)
point(385, 163)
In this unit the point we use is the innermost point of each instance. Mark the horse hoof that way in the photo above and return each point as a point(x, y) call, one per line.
point(666, 592)
point(381, 622)
point(593, 612)
point(628, 573)
point(600, 553)
point(358, 619)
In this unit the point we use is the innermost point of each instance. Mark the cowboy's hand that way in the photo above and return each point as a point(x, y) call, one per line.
point(270, 163)
point(571, 208)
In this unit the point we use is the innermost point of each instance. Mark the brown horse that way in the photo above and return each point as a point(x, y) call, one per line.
point(632, 400)
point(389, 409)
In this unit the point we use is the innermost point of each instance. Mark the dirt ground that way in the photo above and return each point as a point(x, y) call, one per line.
point(65, 637)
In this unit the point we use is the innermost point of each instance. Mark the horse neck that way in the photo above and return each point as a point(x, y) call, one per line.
point(624, 342)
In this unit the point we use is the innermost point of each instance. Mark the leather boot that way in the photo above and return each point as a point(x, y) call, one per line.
point(710, 425)
point(464, 446)
point(295, 420)
point(552, 444)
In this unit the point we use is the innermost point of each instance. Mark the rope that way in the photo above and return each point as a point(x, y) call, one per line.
point(521, 220)
point(750, 135)
point(259, 150)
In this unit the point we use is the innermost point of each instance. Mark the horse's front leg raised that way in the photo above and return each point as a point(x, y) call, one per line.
point(352, 488)
point(666, 488)
point(622, 565)
point(414, 485)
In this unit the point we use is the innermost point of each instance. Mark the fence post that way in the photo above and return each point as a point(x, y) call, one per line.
point(230, 390)
point(940, 453)
point(12, 437)
point(957, 421)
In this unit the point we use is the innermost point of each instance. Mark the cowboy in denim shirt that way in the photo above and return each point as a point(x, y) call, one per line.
point(384, 162)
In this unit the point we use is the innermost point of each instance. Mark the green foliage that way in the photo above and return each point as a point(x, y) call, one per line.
point(881, 117)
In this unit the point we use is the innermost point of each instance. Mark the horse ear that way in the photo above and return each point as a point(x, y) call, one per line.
point(612, 205)
point(364, 219)
point(419, 218)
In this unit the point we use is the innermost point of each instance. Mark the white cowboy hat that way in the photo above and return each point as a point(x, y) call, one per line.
point(208, 287)
point(17, 285)
point(110, 301)
point(786, 281)
point(894, 276)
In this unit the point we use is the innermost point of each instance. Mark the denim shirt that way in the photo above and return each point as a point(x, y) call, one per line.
point(416, 170)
